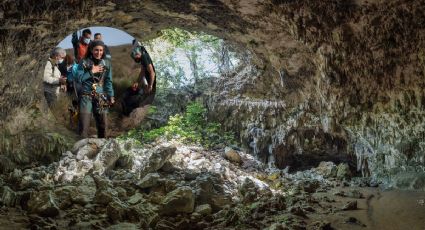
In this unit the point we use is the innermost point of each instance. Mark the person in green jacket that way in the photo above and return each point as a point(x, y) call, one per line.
point(96, 93)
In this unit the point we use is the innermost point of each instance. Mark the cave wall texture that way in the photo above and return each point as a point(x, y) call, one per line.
point(332, 78)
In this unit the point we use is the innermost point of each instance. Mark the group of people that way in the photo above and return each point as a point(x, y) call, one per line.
point(87, 79)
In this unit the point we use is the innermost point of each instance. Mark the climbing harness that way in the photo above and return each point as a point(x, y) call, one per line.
point(99, 99)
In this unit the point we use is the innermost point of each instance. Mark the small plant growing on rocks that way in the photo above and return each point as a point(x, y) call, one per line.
point(190, 127)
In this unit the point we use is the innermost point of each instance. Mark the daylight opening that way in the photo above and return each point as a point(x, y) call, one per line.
point(121, 96)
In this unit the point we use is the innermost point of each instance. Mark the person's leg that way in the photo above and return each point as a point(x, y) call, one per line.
point(50, 98)
point(100, 118)
point(124, 104)
point(84, 116)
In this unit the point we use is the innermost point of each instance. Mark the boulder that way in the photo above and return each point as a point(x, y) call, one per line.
point(107, 157)
point(204, 209)
point(7, 196)
point(97, 155)
point(180, 200)
point(152, 160)
point(232, 156)
point(64, 196)
point(95, 143)
point(43, 203)
point(105, 196)
point(117, 210)
point(351, 205)
point(135, 199)
point(327, 169)
point(150, 180)
point(209, 191)
point(343, 171)
point(144, 212)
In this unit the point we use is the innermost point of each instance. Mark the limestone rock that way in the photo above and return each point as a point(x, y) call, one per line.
point(105, 196)
point(43, 203)
point(209, 191)
point(327, 169)
point(150, 180)
point(117, 211)
point(181, 200)
point(343, 171)
point(91, 155)
point(107, 157)
point(89, 145)
point(144, 212)
point(152, 159)
point(204, 209)
point(64, 196)
point(136, 198)
point(232, 155)
point(8, 196)
point(351, 205)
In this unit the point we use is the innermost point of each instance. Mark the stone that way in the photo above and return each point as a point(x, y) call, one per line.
point(150, 180)
point(180, 200)
point(210, 191)
point(327, 169)
point(144, 212)
point(343, 171)
point(7, 196)
point(232, 155)
point(153, 159)
point(351, 205)
point(204, 209)
point(43, 203)
point(94, 143)
point(107, 157)
point(117, 211)
point(64, 196)
point(136, 198)
point(105, 196)
point(122, 193)
point(15, 176)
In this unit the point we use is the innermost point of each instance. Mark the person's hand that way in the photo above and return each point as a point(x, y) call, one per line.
point(62, 88)
point(135, 86)
point(97, 69)
point(112, 100)
point(62, 80)
point(149, 89)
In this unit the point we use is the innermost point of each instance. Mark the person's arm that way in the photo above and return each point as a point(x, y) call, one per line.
point(151, 72)
point(108, 84)
point(74, 39)
point(48, 75)
point(147, 63)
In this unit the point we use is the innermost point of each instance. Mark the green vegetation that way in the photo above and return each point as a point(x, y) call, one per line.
point(190, 127)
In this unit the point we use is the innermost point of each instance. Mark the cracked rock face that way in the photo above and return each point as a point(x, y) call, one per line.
point(329, 78)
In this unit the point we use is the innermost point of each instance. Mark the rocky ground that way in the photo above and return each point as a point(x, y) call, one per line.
point(118, 184)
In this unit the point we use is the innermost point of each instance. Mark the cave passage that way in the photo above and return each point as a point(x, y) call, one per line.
point(187, 65)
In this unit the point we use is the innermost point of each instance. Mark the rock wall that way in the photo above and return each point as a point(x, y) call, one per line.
point(331, 78)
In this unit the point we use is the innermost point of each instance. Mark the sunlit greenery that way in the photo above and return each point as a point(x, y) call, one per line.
point(190, 127)
point(182, 58)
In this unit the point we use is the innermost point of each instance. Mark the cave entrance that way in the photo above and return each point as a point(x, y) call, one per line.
point(187, 65)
